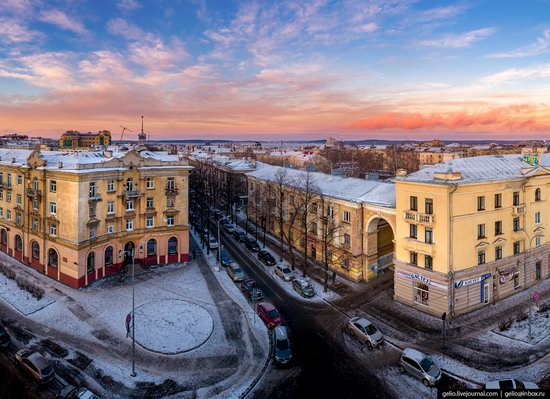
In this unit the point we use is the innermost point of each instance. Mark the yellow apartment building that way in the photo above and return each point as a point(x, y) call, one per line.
point(74, 139)
point(77, 216)
point(472, 231)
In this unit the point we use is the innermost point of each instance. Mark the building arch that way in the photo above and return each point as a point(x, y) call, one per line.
point(90, 262)
point(53, 258)
point(4, 237)
point(152, 247)
point(172, 246)
point(108, 256)
point(380, 243)
point(35, 250)
point(18, 243)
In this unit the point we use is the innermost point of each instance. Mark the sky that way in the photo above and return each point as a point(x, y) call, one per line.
point(277, 70)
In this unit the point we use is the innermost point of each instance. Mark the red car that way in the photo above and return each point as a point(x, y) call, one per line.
point(269, 315)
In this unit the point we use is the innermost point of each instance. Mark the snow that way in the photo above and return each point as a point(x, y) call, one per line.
point(234, 164)
point(172, 326)
point(540, 328)
point(20, 299)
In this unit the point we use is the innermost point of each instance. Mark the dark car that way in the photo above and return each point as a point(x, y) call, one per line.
point(239, 235)
point(282, 352)
point(266, 258)
point(252, 244)
point(4, 337)
point(251, 290)
point(225, 258)
point(269, 315)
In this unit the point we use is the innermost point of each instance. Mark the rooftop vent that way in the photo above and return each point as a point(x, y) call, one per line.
point(13, 160)
point(60, 165)
point(448, 175)
point(401, 172)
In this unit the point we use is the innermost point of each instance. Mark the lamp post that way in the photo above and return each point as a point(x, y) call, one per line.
point(219, 241)
point(131, 253)
point(526, 255)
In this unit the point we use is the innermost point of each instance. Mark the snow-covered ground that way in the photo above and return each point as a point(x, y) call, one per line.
point(20, 299)
point(519, 330)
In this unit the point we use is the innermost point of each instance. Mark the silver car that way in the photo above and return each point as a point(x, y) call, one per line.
point(284, 272)
point(303, 287)
point(235, 272)
point(509, 383)
point(35, 365)
point(365, 331)
point(281, 346)
point(420, 365)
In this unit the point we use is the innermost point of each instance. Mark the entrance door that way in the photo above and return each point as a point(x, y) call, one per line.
point(538, 270)
point(129, 249)
point(313, 251)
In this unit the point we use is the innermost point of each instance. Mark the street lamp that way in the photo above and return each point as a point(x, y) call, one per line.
point(219, 241)
point(131, 253)
point(526, 255)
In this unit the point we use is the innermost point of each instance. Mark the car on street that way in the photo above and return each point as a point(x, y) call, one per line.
point(225, 257)
point(4, 337)
point(213, 243)
point(266, 258)
point(510, 383)
point(303, 287)
point(71, 392)
point(252, 244)
point(229, 227)
point(235, 272)
point(34, 364)
point(268, 314)
point(365, 331)
point(251, 291)
point(420, 366)
point(284, 272)
point(239, 235)
point(282, 352)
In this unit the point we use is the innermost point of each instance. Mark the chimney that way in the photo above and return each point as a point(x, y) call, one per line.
point(401, 172)
point(60, 165)
point(108, 153)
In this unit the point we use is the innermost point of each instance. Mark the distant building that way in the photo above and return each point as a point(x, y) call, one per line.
point(75, 139)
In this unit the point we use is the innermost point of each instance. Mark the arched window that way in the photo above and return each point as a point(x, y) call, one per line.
point(53, 259)
point(152, 247)
point(130, 184)
point(4, 237)
point(18, 243)
point(109, 256)
point(90, 262)
point(537, 194)
point(172, 246)
point(35, 250)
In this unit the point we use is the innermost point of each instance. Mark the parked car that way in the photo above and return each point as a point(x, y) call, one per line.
point(420, 366)
point(251, 291)
point(225, 257)
point(213, 243)
point(284, 272)
point(229, 227)
point(4, 337)
point(282, 352)
point(235, 272)
point(268, 314)
point(252, 244)
point(303, 287)
point(509, 383)
point(266, 258)
point(71, 392)
point(35, 365)
point(365, 331)
point(239, 235)
point(224, 222)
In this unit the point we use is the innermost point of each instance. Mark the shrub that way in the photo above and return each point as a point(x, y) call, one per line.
point(521, 316)
point(7, 271)
point(30, 287)
point(504, 325)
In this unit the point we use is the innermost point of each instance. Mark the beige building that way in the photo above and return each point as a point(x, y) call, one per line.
point(471, 232)
point(74, 139)
point(77, 217)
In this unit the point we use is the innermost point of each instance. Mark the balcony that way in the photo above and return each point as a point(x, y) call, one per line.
point(131, 194)
point(518, 209)
point(421, 218)
point(32, 193)
point(411, 244)
point(171, 190)
point(94, 197)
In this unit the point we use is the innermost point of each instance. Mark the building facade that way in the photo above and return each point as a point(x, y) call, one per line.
point(74, 139)
point(79, 216)
point(471, 231)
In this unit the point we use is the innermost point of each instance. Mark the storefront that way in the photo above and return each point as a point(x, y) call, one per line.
point(473, 292)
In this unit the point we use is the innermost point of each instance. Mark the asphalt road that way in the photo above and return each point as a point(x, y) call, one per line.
point(326, 370)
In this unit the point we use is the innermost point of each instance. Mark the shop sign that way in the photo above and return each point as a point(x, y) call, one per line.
point(510, 274)
point(464, 283)
point(425, 280)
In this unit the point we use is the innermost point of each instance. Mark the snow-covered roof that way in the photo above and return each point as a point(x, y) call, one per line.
point(236, 164)
point(338, 187)
point(478, 169)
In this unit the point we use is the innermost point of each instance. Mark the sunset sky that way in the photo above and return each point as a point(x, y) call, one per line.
point(277, 69)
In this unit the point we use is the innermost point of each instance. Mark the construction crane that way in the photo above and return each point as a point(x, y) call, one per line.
point(123, 130)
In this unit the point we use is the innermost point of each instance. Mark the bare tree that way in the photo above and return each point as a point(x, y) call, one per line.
point(279, 187)
point(331, 232)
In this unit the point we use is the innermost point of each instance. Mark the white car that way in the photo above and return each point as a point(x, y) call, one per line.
point(284, 272)
point(213, 243)
point(230, 228)
point(509, 383)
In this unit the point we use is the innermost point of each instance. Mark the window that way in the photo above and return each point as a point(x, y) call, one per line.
point(537, 217)
point(150, 183)
point(34, 203)
point(516, 247)
point(92, 210)
point(1, 212)
point(428, 262)
point(17, 217)
point(8, 183)
point(152, 247)
point(1, 194)
point(537, 194)
point(129, 205)
point(413, 230)
point(90, 262)
point(428, 236)
point(150, 221)
point(170, 202)
point(170, 183)
point(429, 206)
point(53, 186)
point(52, 258)
point(1, 177)
point(35, 223)
point(413, 203)
point(347, 240)
point(481, 203)
point(150, 203)
point(170, 221)
point(314, 207)
point(498, 227)
point(345, 263)
point(498, 201)
point(516, 224)
point(129, 184)
point(8, 214)
point(92, 233)
point(8, 197)
point(172, 246)
point(53, 208)
point(516, 280)
point(498, 252)
point(92, 190)
point(538, 240)
point(330, 213)
point(110, 186)
point(538, 270)
point(109, 256)
point(110, 207)
point(414, 258)
point(516, 198)
point(35, 250)
point(485, 290)
point(53, 229)
point(19, 180)
point(347, 216)
point(18, 199)
point(481, 257)
point(481, 231)
point(421, 293)
point(35, 184)
point(18, 243)
point(110, 228)
point(129, 225)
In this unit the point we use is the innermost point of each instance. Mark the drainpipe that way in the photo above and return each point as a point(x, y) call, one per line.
point(524, 221)
point(363, 240)
point(451, 270)
point(44, 227)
